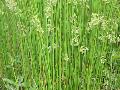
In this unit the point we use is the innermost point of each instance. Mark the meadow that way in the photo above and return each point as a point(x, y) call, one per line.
point(59, 44)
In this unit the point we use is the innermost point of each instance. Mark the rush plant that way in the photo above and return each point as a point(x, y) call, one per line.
point(59, 45)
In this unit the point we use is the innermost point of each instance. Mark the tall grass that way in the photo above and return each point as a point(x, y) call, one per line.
point(59, 45)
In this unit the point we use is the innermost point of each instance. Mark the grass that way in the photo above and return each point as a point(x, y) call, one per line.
point(59, 45)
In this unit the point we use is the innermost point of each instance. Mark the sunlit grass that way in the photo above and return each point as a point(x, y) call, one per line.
point(59, 45)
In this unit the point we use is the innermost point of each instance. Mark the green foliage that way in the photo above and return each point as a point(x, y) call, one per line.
point(59, 45)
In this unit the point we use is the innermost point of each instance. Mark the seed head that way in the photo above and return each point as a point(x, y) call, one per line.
point(66, 58)
point(75, 41)
point(83, 49)
point(102, 59)
point(11, 4)
point(36, 24)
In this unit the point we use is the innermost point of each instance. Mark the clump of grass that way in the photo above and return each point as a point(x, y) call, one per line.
point(59, 45)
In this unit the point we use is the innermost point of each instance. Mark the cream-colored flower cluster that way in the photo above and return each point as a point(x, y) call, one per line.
point(48, 10)
point(13, 7)
point(21, 28)
point(11, 4)
point(83, 49)
point(75, 2)
point(113, 38)
point(50, 27)
point(66, 58)
point(36, 24)
point(96, 20)
point(75, 36)
point(103, 59)
point(75, 31)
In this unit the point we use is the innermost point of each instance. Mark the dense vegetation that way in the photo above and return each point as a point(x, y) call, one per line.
point(59, 45)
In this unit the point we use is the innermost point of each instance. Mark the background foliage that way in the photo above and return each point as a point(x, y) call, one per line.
point(60, 45)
